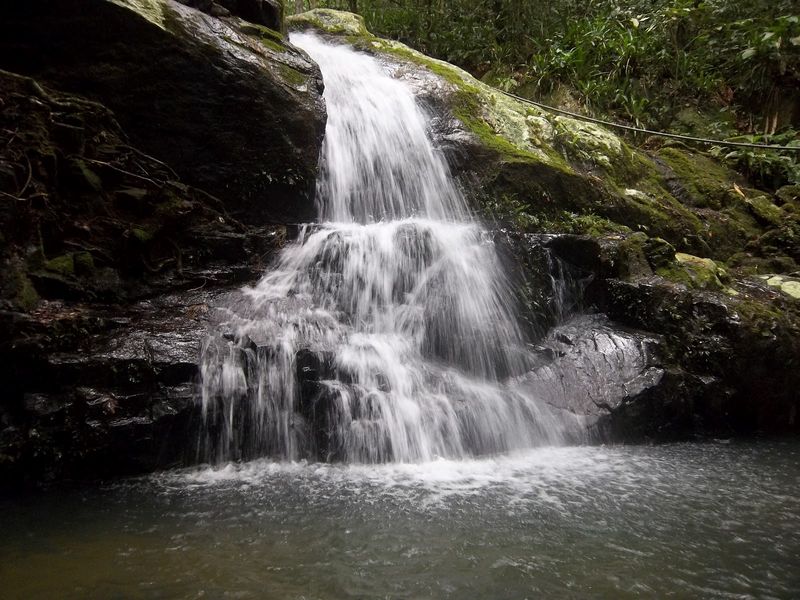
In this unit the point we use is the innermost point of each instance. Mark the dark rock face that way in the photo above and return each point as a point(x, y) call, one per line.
point(89, 217)
point(723, 362)
point(99, 390)
point(742, 357)
point(591, 367)
point(262, 12)
point(111, 261)
point(230, 106)
point(110, 266)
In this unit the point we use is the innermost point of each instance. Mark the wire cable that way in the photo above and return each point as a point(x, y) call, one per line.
point(649, 131)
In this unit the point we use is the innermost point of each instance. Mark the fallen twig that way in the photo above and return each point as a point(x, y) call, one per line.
point(12, 196)
point(123, 171)
point(148, 157)
point(27, 181)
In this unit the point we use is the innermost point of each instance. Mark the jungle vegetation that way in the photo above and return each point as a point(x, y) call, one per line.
point(724, 69)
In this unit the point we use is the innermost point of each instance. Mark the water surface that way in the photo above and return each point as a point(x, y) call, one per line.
point(690, 520)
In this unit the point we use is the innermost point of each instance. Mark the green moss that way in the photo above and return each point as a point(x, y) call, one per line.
point(707, 183)
point(336, 22)
point(84, 263)
point(143, 236)
point(152, 10)
point(654, 212)
point(765, 211)
point(63, 265)
point(26, 297)
point(759, 316)
point(501, 124)
point(291, 75)
point(789, 195)
point(590, 144)
point(631, 257)
point(695, 272)
point(583, 224)
point(659, 252)
point(267, 37)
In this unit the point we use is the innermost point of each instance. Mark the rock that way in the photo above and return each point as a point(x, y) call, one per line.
point(538, 171)
point(110, 392)
point(696, 272)
point(108, 233)
point(101, 381)
point(788, 285)
point(262, 12)
point(240, 116)
point(677, 357)
point(595, 367)
point(550, 166)
point(726, 345)
point(335, 22)
point(219, 11)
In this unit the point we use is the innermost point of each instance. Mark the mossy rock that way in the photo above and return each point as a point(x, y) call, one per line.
point(152, 10)
point(141, 235)
point(588, 143)
point(788, 285)
point(63, 265)
point(706, 183)
point(567, 173)
point(695, 272)
point(789, 195)
point(271, 39)
point(17, 287)
point(631, 257)
point(84, 178)
point(765, 211)
point(234, 94)
point(336, 22)
point(84, 263)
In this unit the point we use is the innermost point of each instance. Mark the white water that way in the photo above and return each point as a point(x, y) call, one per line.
point(386, 333)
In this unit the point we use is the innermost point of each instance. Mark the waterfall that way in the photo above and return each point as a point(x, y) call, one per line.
point(385, 333)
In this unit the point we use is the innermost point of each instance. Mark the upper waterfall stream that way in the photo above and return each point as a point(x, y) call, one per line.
point(386, 333)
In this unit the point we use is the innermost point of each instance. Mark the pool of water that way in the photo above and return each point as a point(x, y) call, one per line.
point(687, 520)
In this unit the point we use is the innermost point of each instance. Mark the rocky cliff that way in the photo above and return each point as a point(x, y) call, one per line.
point(152, 157)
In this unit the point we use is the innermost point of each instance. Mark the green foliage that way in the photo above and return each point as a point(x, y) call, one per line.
point(639, 60)
point(766, 168)
point(713, 68)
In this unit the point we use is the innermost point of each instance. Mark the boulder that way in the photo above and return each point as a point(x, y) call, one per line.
point(230, 105)
point(101, 390)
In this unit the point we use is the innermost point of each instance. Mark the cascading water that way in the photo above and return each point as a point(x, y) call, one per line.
point(386, 333)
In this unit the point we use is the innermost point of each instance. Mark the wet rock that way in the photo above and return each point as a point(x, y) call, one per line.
point(723, 339)
point(679, 358)
point(109, 391)
point(238, 115)
point(106, 232)
point(592, 367)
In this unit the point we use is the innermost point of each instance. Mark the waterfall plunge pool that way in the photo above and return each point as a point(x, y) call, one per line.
point(685, 520)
